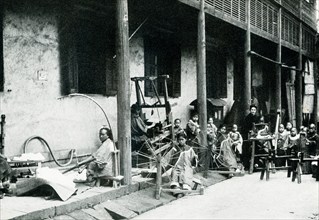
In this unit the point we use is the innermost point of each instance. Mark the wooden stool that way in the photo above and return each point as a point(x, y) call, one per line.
point(198, 188)
point(116, 178)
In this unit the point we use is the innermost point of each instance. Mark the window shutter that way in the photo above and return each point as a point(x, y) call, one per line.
point(150, 60)
point(176, 73)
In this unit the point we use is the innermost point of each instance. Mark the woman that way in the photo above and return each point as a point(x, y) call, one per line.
point(103, 165)
point(182, 172)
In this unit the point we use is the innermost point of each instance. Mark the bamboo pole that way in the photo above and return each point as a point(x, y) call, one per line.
point(315, 109)
point(247, 87)
point(123, 95)
point(278, 67)
point(298, 82)
point(201, 80)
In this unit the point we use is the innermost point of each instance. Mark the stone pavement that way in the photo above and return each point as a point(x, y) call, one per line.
point(124, 202)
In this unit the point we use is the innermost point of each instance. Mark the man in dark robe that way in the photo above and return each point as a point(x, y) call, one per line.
point(251, 119)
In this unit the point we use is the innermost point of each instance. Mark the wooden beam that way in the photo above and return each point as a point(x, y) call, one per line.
point(123, 95)
point(201, 77)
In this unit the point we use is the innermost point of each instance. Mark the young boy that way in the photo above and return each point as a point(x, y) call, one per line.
point(211, 128)
point(292, 143)
point(282, 136)
point(237, 141)
point(177, 126)
point(192, 127)
point(192, 131)
point(211, 132)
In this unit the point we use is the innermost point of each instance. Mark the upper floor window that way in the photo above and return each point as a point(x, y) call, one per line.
point(162, 57)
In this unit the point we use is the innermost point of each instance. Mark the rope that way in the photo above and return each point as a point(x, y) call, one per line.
point(47, 145)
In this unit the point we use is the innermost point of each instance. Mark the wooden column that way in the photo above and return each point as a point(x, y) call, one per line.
point(247, 86)
point(298, 82)
point(201, 77)
point(315, 109)
point(123, 93)
point(2, 133)
point(278, 67)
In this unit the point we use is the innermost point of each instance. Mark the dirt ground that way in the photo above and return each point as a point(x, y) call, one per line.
point(247, 197)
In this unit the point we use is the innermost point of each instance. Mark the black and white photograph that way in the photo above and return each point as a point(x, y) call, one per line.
point(159, 109)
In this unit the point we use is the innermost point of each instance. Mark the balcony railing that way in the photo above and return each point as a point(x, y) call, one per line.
point(264, 19)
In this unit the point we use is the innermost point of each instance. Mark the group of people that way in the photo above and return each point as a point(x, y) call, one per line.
point(292, 142)
point(230, 145)
point(289, 141)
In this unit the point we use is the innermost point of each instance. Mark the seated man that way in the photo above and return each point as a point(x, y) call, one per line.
point(182, 172)
point(139, 130)
point(5, 174)
point(103, 165)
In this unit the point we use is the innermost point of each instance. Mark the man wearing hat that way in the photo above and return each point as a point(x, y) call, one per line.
point(251, 119)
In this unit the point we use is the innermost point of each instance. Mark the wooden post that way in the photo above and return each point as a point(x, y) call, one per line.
point(298, 82)
point(158, 177)
point(123, 94)
point(315, 104)
point(252, 158)
point(247, 87)
point(278, 67)
point(201, 80)
point(3, 122)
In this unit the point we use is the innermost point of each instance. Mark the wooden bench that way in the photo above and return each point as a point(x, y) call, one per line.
point(116, 178)
point(296, 167)
point(268, 162)
point(253, 155)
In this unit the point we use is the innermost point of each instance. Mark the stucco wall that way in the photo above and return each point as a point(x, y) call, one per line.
point(32, 98)
point(32, 88)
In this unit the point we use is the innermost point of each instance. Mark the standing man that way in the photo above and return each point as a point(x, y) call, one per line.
point(251, 119)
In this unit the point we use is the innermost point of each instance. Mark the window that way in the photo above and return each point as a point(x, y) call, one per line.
point(162, 57)
point(88, 55)
point(216, 75)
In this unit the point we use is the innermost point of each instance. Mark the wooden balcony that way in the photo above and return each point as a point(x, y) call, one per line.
point(264, 18)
